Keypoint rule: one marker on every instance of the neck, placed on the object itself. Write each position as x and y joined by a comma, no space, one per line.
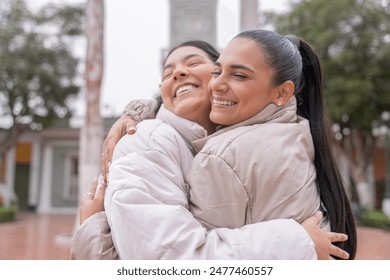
209,126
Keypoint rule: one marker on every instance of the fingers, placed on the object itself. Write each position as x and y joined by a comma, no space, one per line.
129,125
93,187
338,252
334,250
92,201
336,237
312,221
101,190
108,149
131,129
103,165
122,126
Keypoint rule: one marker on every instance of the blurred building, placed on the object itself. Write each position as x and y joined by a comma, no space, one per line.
42,169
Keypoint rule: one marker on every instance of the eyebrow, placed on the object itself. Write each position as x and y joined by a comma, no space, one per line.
236,66
187,57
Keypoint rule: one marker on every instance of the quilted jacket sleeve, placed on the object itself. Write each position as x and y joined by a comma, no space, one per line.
93,241
153,230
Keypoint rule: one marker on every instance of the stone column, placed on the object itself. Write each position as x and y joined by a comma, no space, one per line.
249,14
193,20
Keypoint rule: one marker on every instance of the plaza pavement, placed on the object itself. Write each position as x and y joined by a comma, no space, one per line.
46,237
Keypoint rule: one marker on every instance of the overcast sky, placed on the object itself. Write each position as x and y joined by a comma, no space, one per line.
132,53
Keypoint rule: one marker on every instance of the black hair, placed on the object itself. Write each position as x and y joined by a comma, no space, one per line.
212,53
294,59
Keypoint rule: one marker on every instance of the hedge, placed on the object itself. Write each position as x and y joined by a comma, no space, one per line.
7,214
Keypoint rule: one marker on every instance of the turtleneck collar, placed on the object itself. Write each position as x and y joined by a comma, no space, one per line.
189,130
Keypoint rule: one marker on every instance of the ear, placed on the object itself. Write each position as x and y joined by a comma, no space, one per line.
283,93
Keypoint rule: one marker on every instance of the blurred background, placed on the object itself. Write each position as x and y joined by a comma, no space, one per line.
68,68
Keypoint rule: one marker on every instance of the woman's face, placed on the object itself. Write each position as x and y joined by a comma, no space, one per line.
184,86
241,84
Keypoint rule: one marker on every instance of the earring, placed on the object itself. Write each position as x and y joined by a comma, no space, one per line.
279,103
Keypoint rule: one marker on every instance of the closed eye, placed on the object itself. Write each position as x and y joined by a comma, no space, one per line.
216,72
194,63
166,76
240,76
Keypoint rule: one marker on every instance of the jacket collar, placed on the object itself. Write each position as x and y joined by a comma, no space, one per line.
189,130
270,114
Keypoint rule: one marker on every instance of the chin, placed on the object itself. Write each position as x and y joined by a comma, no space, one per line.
217,119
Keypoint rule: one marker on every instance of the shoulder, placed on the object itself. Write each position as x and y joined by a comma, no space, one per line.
151,135
140,140
261,139
222,143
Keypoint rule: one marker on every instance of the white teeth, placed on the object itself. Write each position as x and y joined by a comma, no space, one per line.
184,88
223,102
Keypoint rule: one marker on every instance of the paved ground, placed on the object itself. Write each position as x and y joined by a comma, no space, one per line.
46,237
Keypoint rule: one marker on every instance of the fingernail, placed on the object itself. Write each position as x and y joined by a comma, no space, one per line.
131,129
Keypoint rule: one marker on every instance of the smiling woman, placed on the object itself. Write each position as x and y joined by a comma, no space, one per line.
241,90
267,93
184,86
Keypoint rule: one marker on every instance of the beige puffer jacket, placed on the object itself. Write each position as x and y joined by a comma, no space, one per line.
257,170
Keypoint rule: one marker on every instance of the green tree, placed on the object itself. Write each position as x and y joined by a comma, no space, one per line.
352,38
38,69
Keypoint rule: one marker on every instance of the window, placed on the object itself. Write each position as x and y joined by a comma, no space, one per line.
71,190
2,168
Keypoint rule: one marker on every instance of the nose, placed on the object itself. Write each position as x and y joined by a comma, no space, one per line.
179,72
218,84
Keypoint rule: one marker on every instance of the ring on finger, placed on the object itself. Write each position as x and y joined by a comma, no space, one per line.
89,193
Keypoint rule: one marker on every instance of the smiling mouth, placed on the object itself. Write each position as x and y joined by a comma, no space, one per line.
183,89
224,102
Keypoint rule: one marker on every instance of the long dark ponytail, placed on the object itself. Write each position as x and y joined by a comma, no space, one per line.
294,59
311,106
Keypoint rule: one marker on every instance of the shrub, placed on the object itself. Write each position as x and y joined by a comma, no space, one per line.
375,218
8,214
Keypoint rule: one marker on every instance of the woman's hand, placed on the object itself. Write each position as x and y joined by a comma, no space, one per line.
323,240
93,201
123,125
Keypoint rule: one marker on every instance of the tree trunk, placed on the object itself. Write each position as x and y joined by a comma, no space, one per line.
359,150
91,134
11,137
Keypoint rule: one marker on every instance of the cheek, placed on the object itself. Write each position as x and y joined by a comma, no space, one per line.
255,105
205,98
165,90
206,76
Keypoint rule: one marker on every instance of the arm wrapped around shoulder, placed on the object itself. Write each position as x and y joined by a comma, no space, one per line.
142,109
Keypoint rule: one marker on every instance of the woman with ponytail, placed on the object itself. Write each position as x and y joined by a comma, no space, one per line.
271,156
